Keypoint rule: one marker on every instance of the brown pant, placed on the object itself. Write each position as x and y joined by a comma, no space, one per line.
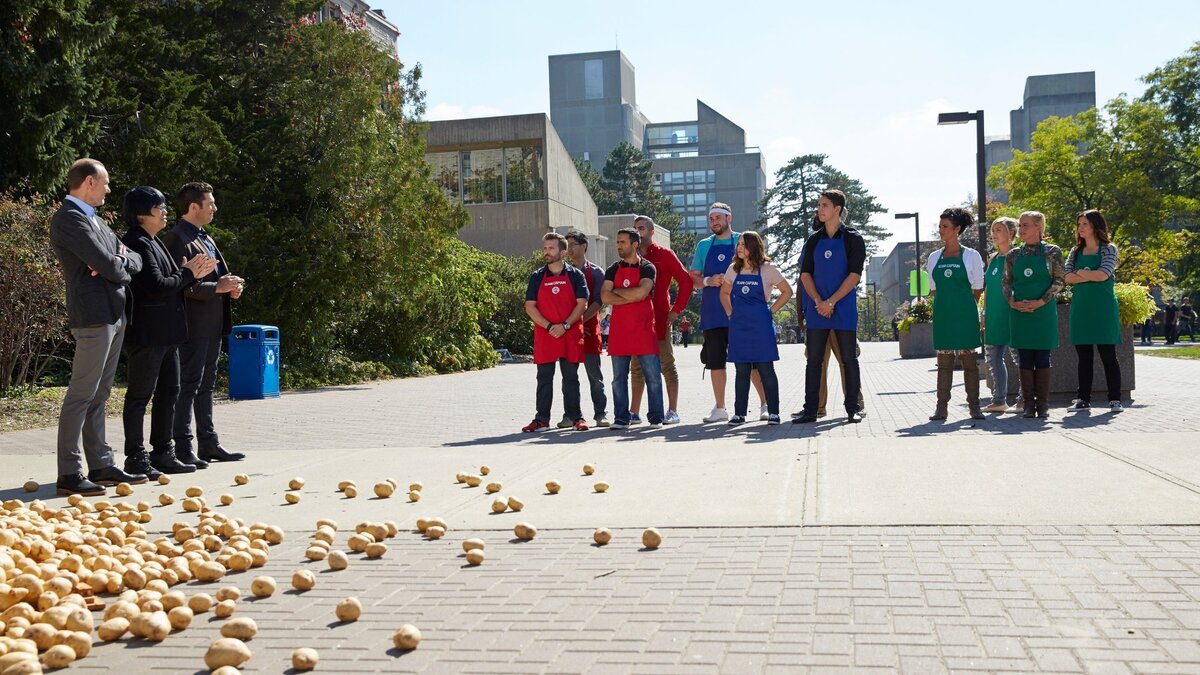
832,348
666,360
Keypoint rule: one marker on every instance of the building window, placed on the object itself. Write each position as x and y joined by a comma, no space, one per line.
482,172
525,174
593,79
444,168
678,134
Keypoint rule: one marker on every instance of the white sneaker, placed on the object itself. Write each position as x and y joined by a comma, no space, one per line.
1115,406
718,414
671,417
566,423
763,414
602,421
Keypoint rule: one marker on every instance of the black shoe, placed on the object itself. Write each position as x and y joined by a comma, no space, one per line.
854,417
111,475
219,454
76,484
166,462
186,456
136,462
805,418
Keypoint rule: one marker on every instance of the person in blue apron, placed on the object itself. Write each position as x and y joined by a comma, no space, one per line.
746,299
831,266
996,313
1094,319
1033,276
712,258
956,278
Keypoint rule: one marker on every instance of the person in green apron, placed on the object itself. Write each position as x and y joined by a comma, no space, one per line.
1033,276
996,312
1095,319
956,277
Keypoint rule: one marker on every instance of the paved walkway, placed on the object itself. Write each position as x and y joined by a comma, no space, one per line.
891,545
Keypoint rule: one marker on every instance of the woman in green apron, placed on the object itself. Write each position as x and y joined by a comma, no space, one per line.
1095,320
956,274
1033,276
996,312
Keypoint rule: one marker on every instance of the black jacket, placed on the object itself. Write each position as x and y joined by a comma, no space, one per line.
83,245
208,312
158,318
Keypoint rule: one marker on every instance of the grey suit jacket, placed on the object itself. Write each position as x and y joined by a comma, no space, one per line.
83,245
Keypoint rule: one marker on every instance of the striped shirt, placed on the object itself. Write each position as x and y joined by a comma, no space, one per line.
1108,259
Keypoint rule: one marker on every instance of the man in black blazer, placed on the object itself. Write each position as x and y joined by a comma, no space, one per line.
209,319
157,327
96,268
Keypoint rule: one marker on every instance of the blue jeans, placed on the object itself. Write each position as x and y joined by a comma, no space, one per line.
999,369
652,372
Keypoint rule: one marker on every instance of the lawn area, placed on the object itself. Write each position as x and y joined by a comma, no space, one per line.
38,407
1174,353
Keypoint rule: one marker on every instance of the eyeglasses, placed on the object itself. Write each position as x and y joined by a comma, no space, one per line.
162,208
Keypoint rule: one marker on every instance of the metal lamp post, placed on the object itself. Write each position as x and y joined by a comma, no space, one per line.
917,251
980,168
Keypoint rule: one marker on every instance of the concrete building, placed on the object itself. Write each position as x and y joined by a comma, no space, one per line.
894,273
358,15
608,226
516,179
594,104
1060,95
997,150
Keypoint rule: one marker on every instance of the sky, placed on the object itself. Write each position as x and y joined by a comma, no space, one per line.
861,81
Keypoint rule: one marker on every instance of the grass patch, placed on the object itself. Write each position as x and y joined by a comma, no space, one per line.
37,407
1174,353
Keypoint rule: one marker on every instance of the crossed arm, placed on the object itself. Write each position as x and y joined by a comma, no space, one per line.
624,296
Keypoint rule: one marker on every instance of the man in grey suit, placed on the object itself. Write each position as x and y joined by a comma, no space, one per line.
96,267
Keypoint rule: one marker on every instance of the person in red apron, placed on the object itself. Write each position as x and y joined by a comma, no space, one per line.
830,268
745,297
555,300
1033,276
577,247
1095,318
956,276
628,284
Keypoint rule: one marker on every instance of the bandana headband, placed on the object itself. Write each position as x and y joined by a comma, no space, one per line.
725,212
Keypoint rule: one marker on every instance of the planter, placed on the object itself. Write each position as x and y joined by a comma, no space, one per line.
1064,381
917,342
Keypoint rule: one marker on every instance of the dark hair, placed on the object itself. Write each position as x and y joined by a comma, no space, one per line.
1099,226
577,237
139,201
631,233
191,193
838,198
554,236
958,217
756,250
81,170
648,219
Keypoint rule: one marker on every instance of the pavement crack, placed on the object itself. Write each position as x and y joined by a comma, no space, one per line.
1141,466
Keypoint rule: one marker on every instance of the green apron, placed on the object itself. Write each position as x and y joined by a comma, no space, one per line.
1031,279
1095,319
996,325
955,314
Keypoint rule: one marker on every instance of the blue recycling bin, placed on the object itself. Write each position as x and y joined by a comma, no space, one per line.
254,362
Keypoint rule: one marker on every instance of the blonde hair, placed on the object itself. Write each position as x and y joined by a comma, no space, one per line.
1010,223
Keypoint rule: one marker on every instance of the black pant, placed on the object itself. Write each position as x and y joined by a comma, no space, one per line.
741,386
1033,359
1112,370
847,343
570,389
197,379
153,371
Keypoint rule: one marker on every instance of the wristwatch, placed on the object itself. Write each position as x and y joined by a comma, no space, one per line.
566,325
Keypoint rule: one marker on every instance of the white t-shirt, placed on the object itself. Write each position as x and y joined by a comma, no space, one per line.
971,261
770,276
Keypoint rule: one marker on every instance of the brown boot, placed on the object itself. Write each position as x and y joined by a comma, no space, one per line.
1041,383
1028,395
945,380
971,384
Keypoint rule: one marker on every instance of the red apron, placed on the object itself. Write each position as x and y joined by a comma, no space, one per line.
556,300
591,327
632,330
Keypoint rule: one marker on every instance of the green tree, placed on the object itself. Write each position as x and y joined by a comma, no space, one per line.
591,179
788,209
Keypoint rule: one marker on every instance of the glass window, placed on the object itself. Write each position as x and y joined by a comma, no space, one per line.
482,172
444,168
685,134
593,78
677,201
525,173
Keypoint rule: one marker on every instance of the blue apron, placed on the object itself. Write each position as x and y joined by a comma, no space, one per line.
751,327
717,261
830,269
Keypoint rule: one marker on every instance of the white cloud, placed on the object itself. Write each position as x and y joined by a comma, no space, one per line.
450,111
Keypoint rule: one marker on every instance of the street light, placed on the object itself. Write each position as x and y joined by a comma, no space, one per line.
873,306
980,168
917,252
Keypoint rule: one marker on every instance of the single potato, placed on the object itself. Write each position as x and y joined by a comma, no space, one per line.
602,535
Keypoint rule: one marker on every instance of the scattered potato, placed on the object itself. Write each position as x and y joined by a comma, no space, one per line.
384,489
58,656
113,629
305,658
460,477
200,603
315,553
228,593
602,535
303,580
422,524
414,496
263,587
473,480
241,479
651,538
124,489
226,499
32,486
406,637
291,497
553,487
327,522
471,544
416,487
242,628
351,492
166,499
80,642
342,485
225,608
435,532
485,470
474,556
515,503
164,479
525,531
226,670
348,609
338,560
588,469
180,617
376,550
499,506
226,652
296,483
600,487
493,487
194,491
157,626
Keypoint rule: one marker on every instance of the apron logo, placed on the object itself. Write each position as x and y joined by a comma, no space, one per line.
1028,272
721,257
828,255
1086,269
947,273
745,290
554,290
995,271
625,283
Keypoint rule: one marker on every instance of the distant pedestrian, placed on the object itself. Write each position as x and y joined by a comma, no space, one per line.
1170,316
605,323
685,332
746,298
1187,320
555,300
996,317
577,246
1148,330
956,274
1033,276
97,268
1094,317
628,285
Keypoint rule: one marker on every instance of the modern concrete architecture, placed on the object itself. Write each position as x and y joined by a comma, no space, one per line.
594,105
1060,95
358,15
516,179
997,150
